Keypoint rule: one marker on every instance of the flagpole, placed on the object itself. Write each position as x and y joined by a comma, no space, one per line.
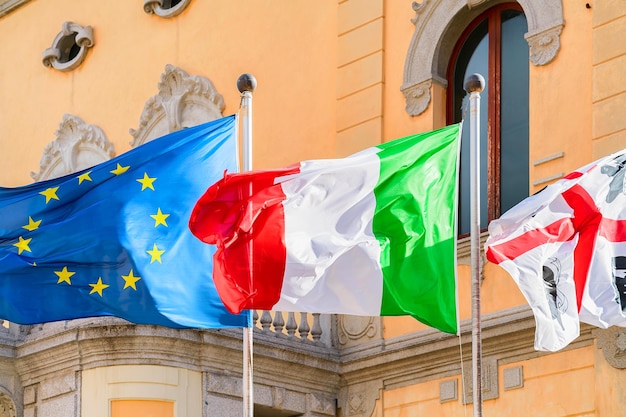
246,83
474,85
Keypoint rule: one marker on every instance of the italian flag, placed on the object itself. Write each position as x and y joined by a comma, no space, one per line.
372,234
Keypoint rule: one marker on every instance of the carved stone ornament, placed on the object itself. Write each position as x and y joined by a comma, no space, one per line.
165,8
320,404
77,146
545,45
360,399
7,406
183,101
69,47
438,26
489,380
612,341
353,328
417,97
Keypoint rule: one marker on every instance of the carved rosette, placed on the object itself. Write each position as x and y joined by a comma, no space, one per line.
417,97
77,146
183,100
72,34
544,45
612,341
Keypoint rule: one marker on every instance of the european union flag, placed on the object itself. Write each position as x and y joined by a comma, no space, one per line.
113,240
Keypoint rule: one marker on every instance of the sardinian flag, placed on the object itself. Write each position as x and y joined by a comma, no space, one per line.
565,247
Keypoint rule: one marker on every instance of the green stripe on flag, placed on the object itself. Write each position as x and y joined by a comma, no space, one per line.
415,224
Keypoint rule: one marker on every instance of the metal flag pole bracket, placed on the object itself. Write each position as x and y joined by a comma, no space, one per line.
474,85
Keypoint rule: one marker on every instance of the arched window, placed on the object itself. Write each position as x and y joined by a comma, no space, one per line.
493,45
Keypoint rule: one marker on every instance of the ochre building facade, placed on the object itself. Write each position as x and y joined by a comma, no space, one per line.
85,80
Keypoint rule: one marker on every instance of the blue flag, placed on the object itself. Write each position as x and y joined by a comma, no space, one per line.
113,240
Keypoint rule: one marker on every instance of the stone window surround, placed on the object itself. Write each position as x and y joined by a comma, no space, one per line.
438,25
156,7
83,37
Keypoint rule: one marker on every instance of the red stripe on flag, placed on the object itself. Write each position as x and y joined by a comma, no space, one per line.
561,230
587,218
613,230
243,215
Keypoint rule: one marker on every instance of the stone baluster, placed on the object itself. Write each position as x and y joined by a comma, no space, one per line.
266,320
316,330
291,325
279,323
304,328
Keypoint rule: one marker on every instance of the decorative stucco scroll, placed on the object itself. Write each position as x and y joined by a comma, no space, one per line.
438,26
165,8
183,101
77,146
69,47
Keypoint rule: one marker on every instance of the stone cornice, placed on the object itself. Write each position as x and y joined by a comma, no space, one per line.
7,6
431,354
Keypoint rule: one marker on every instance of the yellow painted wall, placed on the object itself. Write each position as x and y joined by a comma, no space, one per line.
560,100
609,83
141,408
290,48
554,385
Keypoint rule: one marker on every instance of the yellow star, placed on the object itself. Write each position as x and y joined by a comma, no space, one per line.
50,193
120,169
159,218
98,287
146,182
84,177
22,245
130,280
64,275
32,225
155,253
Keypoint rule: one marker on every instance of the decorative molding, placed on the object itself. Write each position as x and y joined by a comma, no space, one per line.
320,404
551,178
360,399
448,390
474,3
183,100
513,378
419,9
7,6
548,158
438,26
7,406
612,341
544,45
489,381
161,8
60,55
352,328
77,146
417,97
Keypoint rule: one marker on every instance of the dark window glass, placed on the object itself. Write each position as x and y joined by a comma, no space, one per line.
493,46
